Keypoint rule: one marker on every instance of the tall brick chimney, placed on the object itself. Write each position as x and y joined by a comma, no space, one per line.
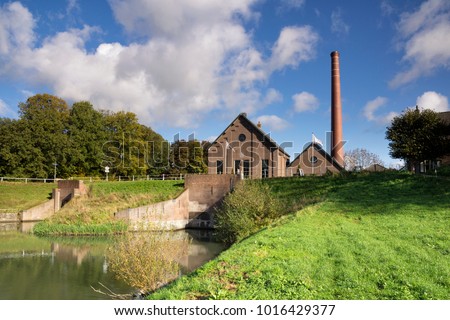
337,142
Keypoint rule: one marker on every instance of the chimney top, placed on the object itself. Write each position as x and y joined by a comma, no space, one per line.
334,53
259,125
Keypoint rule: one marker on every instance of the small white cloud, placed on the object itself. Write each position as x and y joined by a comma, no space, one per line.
27,93
211,138
5,111
272,96
294,45
273,122
288,5
386,8
305,101
434,101
372,106
338,25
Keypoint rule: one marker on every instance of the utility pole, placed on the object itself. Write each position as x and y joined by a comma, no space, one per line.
54,174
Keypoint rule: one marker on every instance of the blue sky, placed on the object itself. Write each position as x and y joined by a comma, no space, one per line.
192,66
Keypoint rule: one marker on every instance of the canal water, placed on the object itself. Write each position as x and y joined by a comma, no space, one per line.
72,267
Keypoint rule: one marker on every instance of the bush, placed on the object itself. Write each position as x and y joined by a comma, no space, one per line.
250,207
147,261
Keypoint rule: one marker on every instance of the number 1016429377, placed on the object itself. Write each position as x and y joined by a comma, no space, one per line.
295,310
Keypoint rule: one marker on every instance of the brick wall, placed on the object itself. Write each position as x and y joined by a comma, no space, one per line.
209,189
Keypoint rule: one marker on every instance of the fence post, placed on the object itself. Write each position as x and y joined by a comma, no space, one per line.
163,176
26,180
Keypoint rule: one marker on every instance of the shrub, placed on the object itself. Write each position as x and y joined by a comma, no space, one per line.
250,207
148,260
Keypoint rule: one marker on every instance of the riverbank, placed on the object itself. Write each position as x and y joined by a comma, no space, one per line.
93,214
368,236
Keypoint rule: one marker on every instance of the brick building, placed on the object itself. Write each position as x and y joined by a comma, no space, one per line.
244,149
313,160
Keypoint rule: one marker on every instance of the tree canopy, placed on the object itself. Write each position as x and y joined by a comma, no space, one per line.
81,141
418,135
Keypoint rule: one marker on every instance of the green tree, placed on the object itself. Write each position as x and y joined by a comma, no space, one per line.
44,123
187,157
18,157
130,147
417,135
87,135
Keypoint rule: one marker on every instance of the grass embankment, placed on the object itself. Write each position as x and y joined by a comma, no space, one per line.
378,236
94,213
16,196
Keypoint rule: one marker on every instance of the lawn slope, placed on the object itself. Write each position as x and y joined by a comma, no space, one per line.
94,213
377,236
16,196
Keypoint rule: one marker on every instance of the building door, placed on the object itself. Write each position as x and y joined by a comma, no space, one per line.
219,166
265,168
246,168
237,166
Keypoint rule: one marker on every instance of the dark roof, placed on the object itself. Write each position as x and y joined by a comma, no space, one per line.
320,150
445,116
266,137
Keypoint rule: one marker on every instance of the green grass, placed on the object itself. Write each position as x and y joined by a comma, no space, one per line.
94,213
368,236
16,196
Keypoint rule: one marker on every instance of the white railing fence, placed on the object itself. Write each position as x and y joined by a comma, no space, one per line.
98,179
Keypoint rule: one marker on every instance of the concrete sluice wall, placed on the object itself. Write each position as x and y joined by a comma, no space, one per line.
192,209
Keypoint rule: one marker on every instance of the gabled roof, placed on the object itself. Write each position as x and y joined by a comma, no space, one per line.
317,147
266,137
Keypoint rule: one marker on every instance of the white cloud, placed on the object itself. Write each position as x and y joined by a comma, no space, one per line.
386,8
372,106
338,25
16,27
434,101
289,5
294,45
424,40
305,101
272,96
273,122
5,111
197,57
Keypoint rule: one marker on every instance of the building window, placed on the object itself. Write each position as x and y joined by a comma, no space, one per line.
242,137
265,168
313,159
246,168
219,166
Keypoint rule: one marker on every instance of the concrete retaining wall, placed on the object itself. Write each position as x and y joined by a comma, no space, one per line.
192,209
9,217
167,215
40,212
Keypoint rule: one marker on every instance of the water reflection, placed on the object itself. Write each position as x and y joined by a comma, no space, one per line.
66,268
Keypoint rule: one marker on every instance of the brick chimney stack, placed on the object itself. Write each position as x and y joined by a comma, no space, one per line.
337,142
